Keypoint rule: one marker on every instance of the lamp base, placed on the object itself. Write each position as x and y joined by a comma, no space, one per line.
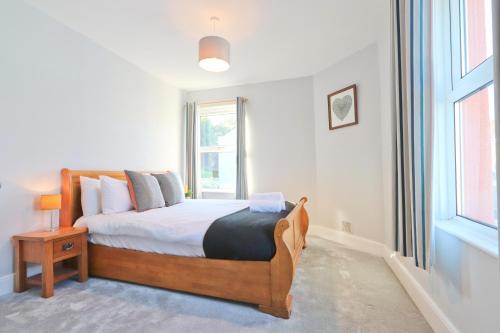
54,224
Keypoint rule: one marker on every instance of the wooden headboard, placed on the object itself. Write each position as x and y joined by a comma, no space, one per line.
71,206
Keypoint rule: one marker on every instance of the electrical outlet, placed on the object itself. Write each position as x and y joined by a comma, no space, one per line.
346,226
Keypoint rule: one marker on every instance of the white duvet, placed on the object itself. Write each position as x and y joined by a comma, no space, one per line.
179,226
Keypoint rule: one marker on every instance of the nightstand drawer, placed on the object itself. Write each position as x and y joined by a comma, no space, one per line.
67,247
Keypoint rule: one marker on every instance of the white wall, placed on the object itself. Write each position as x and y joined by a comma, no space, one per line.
387,123
348,160
280,134
464,282
66,102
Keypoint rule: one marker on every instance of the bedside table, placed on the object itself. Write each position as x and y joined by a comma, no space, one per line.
47,248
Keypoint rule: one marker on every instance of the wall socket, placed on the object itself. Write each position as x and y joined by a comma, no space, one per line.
346,226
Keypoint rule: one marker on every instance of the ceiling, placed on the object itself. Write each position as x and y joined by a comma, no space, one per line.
270,39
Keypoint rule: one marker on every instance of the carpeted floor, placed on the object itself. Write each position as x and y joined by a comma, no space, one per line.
335,290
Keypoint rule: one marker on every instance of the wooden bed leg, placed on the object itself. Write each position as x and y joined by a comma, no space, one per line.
282,268
281,311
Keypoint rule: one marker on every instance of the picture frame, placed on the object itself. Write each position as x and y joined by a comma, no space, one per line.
343,107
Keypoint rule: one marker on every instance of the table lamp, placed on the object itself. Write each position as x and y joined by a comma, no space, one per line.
51,202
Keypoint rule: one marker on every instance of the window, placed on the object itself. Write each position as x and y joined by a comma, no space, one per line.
476,33
470,100
217,150
475,157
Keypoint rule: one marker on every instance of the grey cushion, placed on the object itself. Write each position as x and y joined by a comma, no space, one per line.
144,191
171,187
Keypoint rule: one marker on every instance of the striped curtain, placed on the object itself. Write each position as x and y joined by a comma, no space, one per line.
241,170
411,45
191,146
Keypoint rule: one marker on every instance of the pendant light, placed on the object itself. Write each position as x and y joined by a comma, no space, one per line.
213,51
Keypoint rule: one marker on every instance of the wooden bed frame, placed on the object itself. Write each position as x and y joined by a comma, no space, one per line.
265,283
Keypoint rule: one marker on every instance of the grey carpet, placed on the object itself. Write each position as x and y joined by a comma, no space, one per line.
335,290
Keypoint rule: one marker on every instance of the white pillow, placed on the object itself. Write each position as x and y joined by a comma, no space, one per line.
115,197
91,196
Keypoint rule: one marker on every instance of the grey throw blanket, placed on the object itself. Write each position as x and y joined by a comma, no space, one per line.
243,235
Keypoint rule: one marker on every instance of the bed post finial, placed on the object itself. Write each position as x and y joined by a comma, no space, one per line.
304,220
66,212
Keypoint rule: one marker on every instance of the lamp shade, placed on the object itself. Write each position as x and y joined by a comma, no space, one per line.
50,202
213,54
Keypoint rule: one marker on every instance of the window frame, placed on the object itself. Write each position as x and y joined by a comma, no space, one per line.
206,109
458,87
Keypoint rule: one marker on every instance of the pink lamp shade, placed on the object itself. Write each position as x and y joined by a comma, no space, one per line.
213,54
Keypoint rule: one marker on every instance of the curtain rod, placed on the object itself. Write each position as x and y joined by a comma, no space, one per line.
223,101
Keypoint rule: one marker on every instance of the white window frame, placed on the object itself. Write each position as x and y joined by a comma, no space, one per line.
465,85
452,87
206,109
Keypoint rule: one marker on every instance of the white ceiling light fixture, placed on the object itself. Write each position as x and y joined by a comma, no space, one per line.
213,51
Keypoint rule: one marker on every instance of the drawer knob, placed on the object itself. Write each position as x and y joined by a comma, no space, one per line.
67,246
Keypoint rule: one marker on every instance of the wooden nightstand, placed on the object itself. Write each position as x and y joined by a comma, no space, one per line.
47,248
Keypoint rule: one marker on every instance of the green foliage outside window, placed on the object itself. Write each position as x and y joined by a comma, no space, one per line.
210,132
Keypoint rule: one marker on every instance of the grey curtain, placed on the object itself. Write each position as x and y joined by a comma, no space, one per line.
413,121
241,170
496,78
191,147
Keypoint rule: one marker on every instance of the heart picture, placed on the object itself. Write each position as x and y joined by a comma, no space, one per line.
342,108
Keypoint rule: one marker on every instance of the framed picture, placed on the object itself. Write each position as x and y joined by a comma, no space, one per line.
343,108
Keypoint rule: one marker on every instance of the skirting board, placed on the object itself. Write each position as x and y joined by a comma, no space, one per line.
6,284
349,240
436,318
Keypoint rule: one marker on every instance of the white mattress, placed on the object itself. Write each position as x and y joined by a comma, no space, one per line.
175,230
147,245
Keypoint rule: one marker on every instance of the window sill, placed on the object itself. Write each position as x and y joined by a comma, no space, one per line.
217,194
217,190
474,234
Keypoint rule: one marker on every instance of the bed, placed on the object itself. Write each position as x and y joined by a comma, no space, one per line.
265,283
